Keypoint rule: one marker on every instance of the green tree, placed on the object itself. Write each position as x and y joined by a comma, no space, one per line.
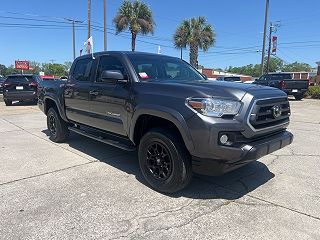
296,67
35,67
276,64
3,69
195,33
135,16
54,69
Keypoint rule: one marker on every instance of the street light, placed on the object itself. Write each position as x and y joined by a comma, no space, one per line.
73,21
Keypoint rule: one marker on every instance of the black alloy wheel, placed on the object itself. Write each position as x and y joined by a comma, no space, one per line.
159,161
57,127
164,160
52,125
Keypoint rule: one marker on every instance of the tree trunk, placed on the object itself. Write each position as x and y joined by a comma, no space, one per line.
194,55
133,41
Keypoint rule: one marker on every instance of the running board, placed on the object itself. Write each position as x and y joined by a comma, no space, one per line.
113,143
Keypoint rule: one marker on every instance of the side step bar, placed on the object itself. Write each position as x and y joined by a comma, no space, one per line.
113,143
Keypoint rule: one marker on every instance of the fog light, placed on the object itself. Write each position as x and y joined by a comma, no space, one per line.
224,139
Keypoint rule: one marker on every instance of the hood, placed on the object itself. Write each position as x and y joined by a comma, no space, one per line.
219,89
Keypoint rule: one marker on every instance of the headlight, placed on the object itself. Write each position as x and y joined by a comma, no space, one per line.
214,107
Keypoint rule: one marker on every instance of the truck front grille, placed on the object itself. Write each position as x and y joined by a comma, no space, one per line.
268,113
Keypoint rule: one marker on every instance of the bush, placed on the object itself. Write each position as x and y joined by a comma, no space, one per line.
313,92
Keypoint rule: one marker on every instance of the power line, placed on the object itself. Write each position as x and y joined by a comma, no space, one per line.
127,34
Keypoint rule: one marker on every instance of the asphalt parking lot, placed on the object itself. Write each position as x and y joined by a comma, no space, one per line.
84,189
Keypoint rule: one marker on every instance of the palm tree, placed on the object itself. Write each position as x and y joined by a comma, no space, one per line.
195,33
135,16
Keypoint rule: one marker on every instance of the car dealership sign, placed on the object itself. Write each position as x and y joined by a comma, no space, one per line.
24,65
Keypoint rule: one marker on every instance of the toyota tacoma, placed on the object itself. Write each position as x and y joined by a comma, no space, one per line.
179,122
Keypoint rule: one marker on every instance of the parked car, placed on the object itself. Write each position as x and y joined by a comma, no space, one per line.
284,81
2,79
178,121
230,79
20,87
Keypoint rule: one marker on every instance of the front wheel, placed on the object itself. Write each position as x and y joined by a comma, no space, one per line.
8,103
57,127
164,161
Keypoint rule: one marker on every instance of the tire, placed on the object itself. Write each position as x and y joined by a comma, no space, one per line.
57,127
169,181
8,103
298,97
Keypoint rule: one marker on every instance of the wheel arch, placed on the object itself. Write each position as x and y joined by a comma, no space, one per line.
163,115
52,102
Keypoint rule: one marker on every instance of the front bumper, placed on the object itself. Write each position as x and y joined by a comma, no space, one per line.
242,155
20,96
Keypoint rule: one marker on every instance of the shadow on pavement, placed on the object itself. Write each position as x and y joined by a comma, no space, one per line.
230,186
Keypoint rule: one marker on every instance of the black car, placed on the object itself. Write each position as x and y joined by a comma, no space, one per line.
20,87
2,79
284,82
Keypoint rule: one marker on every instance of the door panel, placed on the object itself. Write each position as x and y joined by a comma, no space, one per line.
76,93
109,107
109,100
76,97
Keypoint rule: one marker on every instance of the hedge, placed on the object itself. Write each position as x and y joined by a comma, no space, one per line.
313,92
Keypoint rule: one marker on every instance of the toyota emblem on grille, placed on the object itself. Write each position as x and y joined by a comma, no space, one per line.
276,111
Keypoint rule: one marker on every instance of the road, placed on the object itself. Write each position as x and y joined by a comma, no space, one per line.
84,189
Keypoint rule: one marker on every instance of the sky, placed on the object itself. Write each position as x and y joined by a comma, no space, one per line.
36,30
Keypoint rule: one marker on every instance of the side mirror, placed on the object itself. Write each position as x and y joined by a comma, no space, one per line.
112,76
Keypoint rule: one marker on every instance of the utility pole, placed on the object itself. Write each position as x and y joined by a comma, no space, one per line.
269,47
264,36
105,24
273,28
89,18
52,61
73,21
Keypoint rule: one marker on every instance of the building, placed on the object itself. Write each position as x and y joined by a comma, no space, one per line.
302,75
213,74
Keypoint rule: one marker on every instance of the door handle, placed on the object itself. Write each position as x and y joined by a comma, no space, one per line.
94,93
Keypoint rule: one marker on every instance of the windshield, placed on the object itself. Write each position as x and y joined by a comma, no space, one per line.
279,76
161,68
19,79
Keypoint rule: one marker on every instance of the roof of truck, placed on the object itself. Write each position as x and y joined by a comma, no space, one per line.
96,54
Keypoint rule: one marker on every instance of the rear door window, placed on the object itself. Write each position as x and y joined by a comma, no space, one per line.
82,70
279,77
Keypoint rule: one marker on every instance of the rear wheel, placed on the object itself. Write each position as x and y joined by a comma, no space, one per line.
298,96
164,161
8,102
57,127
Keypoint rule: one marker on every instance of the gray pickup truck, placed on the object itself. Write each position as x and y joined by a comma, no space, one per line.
179,122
